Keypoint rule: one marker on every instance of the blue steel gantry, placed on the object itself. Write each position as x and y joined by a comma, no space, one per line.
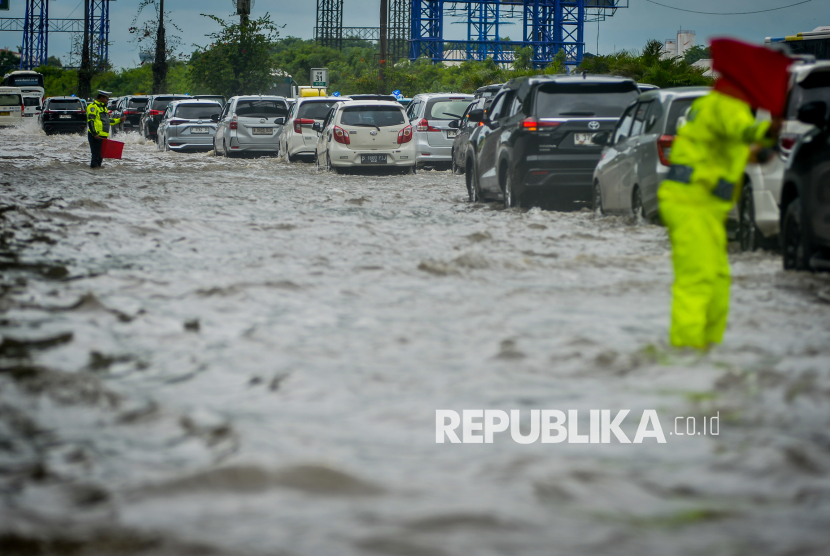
548,26
36,27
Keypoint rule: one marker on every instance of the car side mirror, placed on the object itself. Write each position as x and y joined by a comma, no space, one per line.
603,139
814,113
318,127
279,121
476,115
214,118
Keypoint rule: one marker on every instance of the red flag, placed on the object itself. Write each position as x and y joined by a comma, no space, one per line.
759,73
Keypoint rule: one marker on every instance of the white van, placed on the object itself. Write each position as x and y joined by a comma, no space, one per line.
11,106
32,102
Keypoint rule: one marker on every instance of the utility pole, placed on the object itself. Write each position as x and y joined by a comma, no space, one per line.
160,63
85,73
243,9
384,34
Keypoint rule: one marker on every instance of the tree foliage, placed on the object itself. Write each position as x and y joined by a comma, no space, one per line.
239,60
697,53
647,67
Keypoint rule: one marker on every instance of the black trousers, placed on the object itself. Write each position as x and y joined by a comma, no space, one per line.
95,145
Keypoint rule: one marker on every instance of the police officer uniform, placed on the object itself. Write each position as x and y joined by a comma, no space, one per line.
98,124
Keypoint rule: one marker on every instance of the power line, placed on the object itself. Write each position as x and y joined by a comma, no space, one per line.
729,13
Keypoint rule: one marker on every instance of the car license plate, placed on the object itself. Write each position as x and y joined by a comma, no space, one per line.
64,116
262,130
373,159
584,139
5,113
199,130
452,133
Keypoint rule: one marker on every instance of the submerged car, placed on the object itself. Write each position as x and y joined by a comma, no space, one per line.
636,156
430,115
129,110
805,197
152,113
250,124
11,106
362,134
187,125
63,115
537,140
465,128
298,139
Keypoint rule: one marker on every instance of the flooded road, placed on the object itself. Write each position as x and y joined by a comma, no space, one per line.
245,357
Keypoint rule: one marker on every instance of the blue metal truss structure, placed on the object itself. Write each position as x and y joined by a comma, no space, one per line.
35,34
548,26
37,26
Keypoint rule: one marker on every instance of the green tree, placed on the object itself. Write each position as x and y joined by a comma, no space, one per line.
239,60
697,53
54,61
8,62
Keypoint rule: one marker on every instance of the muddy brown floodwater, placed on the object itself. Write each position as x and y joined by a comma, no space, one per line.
245,357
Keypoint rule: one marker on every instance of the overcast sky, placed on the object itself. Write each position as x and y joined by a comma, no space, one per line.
628,29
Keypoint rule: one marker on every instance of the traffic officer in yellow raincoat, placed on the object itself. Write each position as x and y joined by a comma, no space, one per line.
709,156
98,124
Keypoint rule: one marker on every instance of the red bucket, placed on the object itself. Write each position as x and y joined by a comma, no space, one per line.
112,149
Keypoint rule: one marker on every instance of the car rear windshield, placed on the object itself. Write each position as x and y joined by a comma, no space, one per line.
68,104
315,110
197,111
815,87
161,103
137,103
447,109
31,101
10,100
374,116
584,100
678,109
261,108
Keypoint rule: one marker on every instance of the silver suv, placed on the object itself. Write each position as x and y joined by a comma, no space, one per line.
250,124
636,158
187,125
430,116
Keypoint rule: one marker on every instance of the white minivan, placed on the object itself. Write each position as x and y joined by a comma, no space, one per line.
11,106
369,133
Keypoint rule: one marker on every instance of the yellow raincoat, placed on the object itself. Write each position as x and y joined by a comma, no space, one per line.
708,159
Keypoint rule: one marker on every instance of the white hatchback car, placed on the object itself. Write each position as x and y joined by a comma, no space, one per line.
11,106
368,133
298,140
250,124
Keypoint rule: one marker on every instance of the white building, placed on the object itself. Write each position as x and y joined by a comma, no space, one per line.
685,41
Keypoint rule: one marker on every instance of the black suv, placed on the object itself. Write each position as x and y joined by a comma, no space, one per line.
805,197
63,115
130,109
537,139
153,112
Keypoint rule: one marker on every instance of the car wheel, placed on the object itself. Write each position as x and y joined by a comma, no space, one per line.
596,203
794,244
472,188
747,230
510,199
329,167
636,205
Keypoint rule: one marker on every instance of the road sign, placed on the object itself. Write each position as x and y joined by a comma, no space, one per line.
4,5
320,77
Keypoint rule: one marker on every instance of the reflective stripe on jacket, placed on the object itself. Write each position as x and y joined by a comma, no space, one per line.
715,142
98,119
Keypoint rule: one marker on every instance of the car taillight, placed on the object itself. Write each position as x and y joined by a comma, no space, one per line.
130,112
233,124
178,122
405,135
156,112
22,108
664,144
299,122
532,124
423,125
787,142
341,136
